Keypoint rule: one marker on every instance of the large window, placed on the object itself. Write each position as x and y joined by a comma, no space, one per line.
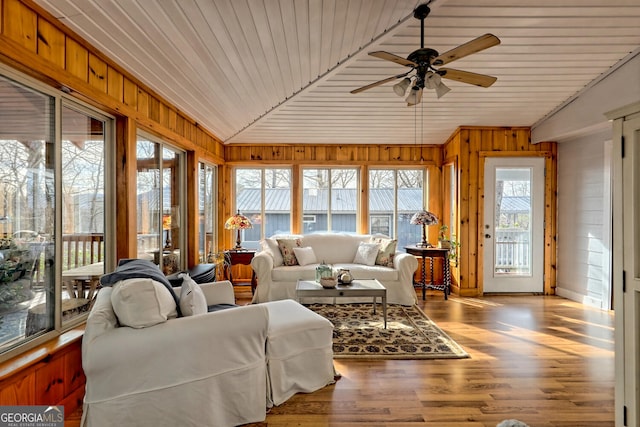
52,209
394,196
330,200
160,203
264,196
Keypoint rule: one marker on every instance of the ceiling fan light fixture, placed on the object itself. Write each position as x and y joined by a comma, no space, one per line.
415,96
400,88
434,81
441,90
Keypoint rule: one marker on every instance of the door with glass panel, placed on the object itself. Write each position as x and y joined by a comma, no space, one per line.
513,229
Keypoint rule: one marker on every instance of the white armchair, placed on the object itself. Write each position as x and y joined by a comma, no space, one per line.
211,369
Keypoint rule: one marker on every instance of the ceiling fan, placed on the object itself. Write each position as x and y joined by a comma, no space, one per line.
424,60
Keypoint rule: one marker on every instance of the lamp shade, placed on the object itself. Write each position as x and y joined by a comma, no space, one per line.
424,218
238,222
401,88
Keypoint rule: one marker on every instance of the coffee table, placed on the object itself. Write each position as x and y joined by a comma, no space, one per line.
357,288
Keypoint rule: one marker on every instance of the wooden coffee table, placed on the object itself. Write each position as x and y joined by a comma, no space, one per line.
357,288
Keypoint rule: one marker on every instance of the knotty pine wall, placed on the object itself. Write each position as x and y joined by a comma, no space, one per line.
468,147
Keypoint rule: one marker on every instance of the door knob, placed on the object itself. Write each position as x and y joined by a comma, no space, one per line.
487,236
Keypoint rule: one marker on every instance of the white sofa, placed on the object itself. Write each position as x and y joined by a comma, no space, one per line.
277,281
222,368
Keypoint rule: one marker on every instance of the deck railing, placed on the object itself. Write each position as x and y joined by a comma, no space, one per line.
82,249
512,251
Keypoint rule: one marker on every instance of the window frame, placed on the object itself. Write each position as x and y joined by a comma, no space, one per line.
394,220
61,99
330,213
182,197
263,188
208,257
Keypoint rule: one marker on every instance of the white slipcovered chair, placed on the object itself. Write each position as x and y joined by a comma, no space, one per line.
221,368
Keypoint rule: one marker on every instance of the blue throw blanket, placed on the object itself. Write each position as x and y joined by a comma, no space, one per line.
139,269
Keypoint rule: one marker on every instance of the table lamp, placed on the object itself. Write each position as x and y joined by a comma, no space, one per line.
238,222
424,218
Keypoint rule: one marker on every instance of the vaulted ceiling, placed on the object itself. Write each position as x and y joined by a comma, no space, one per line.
281,71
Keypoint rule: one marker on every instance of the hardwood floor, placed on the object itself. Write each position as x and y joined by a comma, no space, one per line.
546,361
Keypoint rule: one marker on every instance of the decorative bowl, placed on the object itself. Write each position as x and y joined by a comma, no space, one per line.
329,282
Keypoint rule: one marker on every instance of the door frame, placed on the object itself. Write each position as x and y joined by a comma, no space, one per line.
549,239
535,281
626,271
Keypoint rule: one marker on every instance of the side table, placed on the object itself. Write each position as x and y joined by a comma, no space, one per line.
431,253
243,257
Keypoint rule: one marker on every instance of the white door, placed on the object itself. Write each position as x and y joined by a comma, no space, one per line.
513,224
627,269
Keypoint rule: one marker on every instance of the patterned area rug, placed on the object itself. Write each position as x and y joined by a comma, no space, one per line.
410,334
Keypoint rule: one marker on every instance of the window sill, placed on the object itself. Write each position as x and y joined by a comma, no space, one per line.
37,354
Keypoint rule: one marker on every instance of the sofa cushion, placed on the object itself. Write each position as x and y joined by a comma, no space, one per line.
358,271
286,249
386,251
361,271
305,256
332,248
192,299
142,302
270,246
293,273
366,254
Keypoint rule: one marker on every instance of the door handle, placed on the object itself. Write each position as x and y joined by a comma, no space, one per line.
487,236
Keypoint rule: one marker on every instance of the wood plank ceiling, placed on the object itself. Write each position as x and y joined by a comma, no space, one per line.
280,71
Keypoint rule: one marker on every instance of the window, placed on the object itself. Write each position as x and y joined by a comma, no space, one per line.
394,196
207,177
331,195
381,224
264,196
160,203
53,193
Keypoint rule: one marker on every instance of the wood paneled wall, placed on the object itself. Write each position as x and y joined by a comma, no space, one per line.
470,146
47,375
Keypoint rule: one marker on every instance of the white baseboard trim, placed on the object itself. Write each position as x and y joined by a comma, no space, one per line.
578,297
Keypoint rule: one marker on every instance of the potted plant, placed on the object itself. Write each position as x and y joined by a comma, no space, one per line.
443,238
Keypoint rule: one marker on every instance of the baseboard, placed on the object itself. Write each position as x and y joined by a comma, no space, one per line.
578,297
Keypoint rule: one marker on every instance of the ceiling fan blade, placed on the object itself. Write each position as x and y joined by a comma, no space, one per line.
378,83
393,58
476,45
467,77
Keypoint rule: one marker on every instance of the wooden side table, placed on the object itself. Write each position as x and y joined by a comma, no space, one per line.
431,253
236,257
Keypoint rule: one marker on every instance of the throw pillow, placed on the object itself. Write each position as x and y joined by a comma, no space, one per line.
192,299
270,246
142,302
305,256
286,249
366,253
387,250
